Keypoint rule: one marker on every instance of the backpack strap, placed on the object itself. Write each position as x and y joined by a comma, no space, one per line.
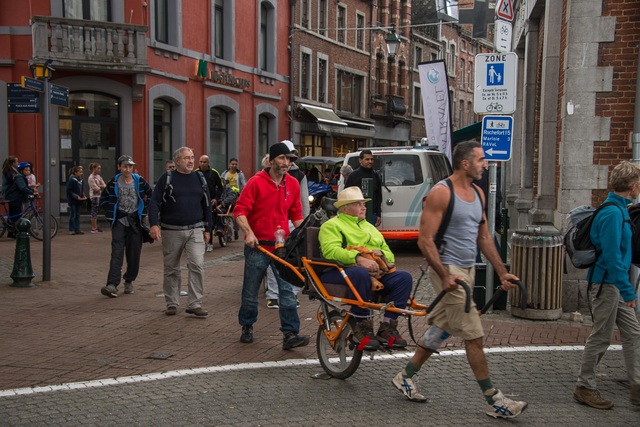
168,189
446,218
205,187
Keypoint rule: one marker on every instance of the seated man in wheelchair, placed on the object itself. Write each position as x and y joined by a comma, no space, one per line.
227,200
350,229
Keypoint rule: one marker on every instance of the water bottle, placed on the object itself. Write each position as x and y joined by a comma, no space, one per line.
279,235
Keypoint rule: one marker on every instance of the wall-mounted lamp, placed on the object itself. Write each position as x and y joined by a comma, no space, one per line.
393,41
42,71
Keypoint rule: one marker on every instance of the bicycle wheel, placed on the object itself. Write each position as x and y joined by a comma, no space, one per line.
343,358
37,225
222,238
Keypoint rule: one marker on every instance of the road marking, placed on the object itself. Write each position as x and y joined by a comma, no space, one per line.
265,365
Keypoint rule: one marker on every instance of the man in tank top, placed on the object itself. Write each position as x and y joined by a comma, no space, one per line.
455,259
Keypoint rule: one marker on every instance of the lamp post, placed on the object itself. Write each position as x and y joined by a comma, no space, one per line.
393,41
44,72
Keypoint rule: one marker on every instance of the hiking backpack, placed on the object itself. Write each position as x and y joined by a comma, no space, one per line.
634,215
577,240
168,187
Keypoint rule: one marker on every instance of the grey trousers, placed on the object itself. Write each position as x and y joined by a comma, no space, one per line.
174,243
609,311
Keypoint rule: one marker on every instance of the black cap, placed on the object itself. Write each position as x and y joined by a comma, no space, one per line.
279,149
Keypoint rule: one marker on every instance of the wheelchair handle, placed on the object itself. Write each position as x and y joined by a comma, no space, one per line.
467,291
500,291
467,302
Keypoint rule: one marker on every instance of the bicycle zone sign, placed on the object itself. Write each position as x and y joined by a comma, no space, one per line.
495,83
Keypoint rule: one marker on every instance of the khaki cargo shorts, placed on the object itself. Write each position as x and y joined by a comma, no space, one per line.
449,314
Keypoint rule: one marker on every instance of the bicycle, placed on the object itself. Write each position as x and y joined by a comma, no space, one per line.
224,230
7,222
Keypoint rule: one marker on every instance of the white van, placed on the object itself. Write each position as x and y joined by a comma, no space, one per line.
407,173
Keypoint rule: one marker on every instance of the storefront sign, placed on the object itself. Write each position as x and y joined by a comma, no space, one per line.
202,71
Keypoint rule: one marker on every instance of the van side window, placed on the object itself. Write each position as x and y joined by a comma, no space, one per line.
439,168
401,170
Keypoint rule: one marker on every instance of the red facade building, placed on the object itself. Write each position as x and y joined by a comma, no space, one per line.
145,78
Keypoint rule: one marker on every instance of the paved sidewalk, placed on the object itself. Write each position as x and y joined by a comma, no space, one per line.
65,330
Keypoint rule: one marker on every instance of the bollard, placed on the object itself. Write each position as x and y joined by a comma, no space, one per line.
22,272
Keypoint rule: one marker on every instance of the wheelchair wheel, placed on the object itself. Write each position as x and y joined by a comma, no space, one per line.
341,360
222,238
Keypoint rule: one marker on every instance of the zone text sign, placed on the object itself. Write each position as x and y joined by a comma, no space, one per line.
495,83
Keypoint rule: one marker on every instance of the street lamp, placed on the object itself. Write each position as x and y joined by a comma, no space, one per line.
42,71
393,41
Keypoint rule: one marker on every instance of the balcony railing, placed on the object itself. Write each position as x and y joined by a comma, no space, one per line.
80,44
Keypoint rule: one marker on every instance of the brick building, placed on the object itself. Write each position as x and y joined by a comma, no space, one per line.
578,69
145,78
347,90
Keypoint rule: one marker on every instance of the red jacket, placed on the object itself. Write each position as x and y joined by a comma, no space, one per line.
266,205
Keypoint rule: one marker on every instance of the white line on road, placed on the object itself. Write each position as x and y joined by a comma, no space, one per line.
263,365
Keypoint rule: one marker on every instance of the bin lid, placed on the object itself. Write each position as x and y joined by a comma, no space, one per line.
537,236
539,230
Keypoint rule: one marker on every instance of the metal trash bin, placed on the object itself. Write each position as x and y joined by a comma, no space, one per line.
537,257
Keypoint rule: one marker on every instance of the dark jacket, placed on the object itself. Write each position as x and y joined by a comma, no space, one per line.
74,190
17,188
109,196
213,182
355,179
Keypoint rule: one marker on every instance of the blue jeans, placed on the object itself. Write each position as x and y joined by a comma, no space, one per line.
397,287
74,217
255,266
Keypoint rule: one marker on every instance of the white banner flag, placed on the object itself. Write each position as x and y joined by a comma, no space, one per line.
435,100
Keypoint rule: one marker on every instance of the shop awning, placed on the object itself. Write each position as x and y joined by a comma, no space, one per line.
468,132
323,115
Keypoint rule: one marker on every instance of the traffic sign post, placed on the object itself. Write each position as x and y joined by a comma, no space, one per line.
502,36
496,137
20,100
495,80
59,95
504,9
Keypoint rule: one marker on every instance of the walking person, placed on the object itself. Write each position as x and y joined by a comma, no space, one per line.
365,171
215,188
612,297
268,201
96,185
456,260
235,178
271,284
75,197
124,199
181,200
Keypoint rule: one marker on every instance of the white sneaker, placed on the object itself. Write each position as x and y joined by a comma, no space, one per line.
408,388
503,407
209,247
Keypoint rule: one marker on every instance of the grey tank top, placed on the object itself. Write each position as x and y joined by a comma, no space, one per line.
461,236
